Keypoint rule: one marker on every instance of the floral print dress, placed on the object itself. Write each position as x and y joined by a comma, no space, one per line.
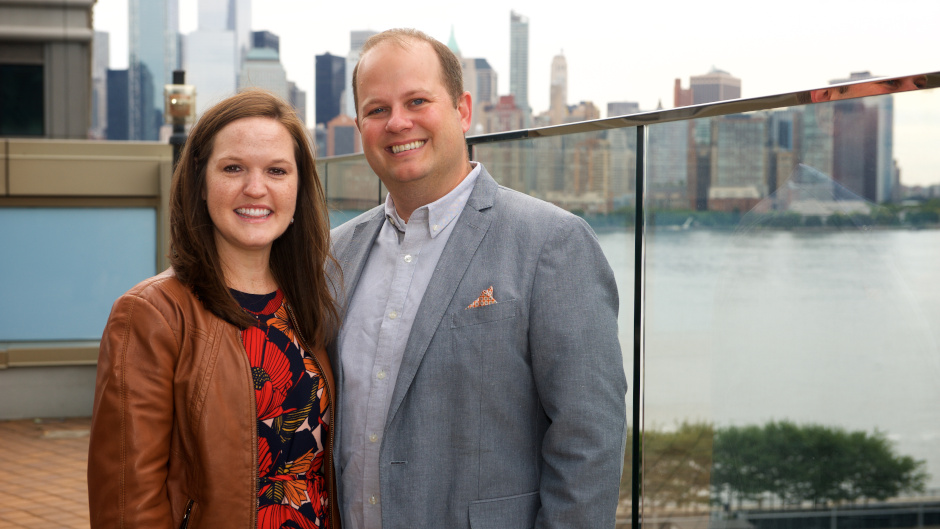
293,417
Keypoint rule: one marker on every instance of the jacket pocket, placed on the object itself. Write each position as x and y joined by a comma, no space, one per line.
508,512
502,310
187,514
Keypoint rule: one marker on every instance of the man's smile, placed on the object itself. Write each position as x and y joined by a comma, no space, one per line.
407,146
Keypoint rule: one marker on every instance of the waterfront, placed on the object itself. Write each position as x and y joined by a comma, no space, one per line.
838,328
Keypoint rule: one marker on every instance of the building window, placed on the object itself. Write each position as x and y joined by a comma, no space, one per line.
21,100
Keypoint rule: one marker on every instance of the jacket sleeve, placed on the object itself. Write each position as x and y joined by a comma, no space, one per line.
132,418
578,369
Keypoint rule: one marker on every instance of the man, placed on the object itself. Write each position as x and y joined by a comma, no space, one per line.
481,379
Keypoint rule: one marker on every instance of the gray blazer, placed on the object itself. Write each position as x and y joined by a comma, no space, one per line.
510,415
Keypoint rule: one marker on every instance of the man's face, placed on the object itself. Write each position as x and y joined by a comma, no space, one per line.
412,134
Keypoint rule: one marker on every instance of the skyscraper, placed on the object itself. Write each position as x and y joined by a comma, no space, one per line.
558,96
153,55
215,51
99,85
228,15
357,40
330,82
262,69
265,39
716,85
519,60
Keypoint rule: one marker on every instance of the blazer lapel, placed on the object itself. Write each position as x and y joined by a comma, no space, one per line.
352,256
471,227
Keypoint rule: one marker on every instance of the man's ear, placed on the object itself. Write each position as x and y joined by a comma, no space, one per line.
465,109
818,96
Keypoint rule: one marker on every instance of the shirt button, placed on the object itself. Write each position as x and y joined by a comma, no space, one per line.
392,315
372,499
436,227
373,437
380,375
407,258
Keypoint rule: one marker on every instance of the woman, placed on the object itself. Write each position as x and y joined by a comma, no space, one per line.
214,397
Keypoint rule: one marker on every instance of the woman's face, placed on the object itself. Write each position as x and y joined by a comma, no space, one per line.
251,187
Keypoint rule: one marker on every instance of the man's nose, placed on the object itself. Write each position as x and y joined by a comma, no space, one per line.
398,121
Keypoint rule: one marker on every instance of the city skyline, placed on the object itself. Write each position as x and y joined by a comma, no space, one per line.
802,47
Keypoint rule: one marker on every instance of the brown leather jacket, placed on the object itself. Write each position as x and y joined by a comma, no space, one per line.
174,435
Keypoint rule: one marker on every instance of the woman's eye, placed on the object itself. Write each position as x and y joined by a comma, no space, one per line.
231,168
278,171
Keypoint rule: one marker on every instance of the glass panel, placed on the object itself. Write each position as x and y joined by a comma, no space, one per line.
792,331
64,267
593,175
21,100
351,188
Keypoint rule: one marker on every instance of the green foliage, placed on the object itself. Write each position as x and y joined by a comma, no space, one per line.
814,463
696,463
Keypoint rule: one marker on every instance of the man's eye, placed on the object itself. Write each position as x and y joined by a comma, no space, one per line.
418,101
374,111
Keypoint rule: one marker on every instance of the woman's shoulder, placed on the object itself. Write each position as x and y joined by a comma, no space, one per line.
163,291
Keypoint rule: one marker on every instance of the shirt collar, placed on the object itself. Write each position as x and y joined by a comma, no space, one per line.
442,211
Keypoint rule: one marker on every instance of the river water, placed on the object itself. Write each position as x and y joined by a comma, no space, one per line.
840,328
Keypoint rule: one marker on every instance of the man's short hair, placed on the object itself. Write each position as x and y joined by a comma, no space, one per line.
451,72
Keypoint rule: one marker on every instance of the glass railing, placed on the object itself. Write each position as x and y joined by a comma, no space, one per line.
785,293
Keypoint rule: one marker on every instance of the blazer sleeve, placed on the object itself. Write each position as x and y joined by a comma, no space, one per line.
578,369
132,418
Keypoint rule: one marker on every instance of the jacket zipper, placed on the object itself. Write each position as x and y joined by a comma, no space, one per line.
189,509
329,396
253,515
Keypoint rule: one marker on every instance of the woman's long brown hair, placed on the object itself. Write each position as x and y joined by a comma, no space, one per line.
298,257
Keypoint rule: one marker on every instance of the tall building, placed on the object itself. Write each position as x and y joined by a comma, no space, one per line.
357,40
716,85
865,126
622,108
558,95
298,100
519,61
99,86
265,39
681,97
228,15
153,40
45,68
330,83
214,53
118,106
262,69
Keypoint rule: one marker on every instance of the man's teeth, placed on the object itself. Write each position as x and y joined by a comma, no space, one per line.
253,212
407,147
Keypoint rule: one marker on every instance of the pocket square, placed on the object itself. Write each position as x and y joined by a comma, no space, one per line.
486,298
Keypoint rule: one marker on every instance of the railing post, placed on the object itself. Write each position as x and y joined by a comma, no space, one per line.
638,321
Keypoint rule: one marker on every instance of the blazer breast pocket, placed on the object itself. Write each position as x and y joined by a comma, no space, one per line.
502,310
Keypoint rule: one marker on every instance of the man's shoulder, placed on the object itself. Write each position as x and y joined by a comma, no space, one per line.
344,231
530,212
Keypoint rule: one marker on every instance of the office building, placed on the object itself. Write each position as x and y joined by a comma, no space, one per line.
228,15
357,40
153,43
519,61
262,69
118,125
716,85
297,99
330,82
342,136
45,68
266,39
558,92
215,52
99,86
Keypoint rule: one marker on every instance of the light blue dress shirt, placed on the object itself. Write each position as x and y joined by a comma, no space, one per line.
374,334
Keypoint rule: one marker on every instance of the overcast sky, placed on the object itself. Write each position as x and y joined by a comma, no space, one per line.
619,50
